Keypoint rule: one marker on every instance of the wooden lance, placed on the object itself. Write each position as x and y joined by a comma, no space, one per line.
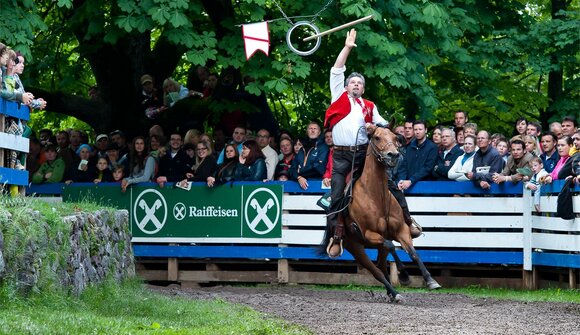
346,25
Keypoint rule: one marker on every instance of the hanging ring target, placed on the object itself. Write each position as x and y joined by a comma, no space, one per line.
289,36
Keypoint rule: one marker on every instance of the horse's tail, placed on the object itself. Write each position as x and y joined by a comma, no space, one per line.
321,249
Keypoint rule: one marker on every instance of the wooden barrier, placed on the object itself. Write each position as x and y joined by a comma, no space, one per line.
10,177
471,237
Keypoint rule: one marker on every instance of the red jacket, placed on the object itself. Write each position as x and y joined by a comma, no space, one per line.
341,107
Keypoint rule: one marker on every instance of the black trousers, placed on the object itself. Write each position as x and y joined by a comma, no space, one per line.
400,196
341,166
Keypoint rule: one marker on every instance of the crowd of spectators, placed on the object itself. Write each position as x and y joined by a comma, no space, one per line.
476,156
462,152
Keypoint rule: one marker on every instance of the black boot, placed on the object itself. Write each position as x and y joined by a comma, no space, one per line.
415,228
334,248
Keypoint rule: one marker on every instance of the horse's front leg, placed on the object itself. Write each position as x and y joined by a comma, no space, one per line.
358,252
403,274
407,244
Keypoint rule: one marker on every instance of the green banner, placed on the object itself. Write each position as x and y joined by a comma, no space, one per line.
224,213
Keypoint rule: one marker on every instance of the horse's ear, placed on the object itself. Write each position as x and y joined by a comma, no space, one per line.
370,128
391,123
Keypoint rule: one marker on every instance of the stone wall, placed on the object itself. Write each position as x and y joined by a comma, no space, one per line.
46,252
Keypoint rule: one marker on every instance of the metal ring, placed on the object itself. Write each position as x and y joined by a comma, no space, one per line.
296,51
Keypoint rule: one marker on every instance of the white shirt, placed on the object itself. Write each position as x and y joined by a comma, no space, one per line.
344,133
272,160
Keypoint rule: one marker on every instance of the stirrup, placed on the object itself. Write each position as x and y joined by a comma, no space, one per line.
417,226
331,244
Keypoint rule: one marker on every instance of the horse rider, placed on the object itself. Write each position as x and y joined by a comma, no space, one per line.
347,116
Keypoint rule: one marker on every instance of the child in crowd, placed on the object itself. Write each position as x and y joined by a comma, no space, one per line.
52,170
536,181
532,145
103,174
503,149
118,173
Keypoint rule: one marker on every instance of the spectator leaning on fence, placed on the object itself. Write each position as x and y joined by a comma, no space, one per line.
52,170
8,84
464,163
238,137
486,162
574,153
550,155
173,165
287,152
226,170
310,161
575,160
503,149
204,164
141,164
38,103
564,145
419,159
449,153
535,183
271,155
252,164
532,145
518,160
84,167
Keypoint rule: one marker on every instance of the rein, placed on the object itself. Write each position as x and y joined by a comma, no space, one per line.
378,152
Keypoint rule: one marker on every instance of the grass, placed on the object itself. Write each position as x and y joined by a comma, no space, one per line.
548,295
131,309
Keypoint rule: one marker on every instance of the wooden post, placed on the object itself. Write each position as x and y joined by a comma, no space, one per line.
572,280
172,269
283,271
528,279
394,274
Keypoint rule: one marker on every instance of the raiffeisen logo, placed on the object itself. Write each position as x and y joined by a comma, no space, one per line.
212,211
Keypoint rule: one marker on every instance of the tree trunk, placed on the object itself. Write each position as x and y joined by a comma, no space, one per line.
117,69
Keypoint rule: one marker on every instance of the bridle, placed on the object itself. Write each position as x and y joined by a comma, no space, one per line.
384,158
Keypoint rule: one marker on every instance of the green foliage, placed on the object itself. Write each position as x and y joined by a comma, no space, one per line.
421,58
55,122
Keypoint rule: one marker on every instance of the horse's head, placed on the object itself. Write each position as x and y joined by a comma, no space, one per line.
384,144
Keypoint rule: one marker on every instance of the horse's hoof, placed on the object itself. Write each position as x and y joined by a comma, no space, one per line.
397,299
404,280
433,285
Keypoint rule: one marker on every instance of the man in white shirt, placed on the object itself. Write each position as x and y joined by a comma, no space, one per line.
272,159
347,117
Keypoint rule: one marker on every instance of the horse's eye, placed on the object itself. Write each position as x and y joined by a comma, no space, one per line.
377,138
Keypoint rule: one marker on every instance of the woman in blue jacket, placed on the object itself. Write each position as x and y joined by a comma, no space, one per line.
252,164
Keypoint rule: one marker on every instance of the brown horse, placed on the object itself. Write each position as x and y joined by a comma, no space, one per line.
374,215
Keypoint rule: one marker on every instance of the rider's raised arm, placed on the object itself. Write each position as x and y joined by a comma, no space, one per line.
337,71
349,43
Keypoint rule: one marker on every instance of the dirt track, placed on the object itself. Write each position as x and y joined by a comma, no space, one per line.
359,312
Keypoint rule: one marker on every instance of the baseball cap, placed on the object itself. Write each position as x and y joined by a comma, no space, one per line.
188,146
146,79
112,146
49,147
101,136
117,132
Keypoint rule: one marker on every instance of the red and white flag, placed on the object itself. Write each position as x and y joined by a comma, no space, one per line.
256,37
